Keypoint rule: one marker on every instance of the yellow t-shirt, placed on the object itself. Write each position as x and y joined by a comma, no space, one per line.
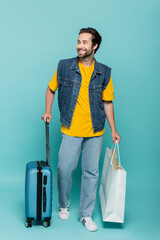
81,125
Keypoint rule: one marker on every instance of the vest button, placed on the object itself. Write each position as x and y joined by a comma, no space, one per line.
90,90
93,115
91,102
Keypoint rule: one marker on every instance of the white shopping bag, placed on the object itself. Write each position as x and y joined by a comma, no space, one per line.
113,187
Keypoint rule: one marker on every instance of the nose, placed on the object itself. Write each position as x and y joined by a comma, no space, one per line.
79,45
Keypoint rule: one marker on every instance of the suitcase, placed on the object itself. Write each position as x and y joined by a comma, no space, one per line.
38,189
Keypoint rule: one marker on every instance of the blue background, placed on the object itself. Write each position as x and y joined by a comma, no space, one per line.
34,36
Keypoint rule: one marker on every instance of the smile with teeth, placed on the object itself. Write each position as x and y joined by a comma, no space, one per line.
82,51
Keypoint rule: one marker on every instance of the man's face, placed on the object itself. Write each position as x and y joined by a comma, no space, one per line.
84,45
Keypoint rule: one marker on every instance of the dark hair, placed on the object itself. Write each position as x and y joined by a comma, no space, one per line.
96,38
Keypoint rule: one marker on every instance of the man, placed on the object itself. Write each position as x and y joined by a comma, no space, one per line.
85,94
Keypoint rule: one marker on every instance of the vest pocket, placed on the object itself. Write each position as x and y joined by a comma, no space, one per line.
100,106
99,94
65,85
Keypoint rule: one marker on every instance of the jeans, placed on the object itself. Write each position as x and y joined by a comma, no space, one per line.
69,153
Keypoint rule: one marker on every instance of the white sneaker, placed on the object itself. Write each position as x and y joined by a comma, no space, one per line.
88,223
64,213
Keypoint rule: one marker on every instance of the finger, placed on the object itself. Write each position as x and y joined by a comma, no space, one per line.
50,117
118,139
43,118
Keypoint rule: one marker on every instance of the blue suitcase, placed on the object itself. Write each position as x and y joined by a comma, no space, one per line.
38,190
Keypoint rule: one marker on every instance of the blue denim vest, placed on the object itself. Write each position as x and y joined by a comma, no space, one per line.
69,84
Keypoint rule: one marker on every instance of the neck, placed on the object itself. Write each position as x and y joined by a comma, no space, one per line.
87,61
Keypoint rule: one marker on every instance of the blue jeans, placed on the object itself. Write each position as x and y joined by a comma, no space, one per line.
69,153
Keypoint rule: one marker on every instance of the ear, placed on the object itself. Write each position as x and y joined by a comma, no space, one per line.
95,46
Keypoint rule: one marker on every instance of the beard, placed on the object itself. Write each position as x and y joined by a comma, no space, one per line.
85,53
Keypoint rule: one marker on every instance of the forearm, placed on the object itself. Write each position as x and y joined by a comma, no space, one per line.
49,100
108,107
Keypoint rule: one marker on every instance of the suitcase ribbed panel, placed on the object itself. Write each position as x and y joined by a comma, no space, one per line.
46,198
31,190
39,192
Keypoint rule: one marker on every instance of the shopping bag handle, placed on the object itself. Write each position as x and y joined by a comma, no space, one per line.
116,146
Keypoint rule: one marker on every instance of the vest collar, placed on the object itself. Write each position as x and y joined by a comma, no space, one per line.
75,66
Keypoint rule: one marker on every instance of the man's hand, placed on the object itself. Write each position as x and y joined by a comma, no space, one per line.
115,136
45,116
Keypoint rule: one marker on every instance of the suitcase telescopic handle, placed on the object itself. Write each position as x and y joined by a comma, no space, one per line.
47,143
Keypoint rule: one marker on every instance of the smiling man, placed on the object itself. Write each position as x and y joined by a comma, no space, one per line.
85,94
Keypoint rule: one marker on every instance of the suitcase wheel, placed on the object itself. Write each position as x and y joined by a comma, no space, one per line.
46,223
28,224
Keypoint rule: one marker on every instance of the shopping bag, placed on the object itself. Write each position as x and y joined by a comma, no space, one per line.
113,187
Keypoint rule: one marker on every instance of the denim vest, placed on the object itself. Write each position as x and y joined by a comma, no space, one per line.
69,84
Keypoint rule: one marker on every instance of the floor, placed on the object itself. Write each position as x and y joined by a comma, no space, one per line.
141,217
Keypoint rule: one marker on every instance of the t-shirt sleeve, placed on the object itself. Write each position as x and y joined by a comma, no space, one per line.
108,92
53,84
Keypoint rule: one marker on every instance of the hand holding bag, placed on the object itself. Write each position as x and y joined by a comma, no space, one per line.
113,187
